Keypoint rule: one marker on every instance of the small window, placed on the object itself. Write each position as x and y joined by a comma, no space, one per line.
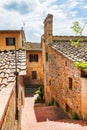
33,58
36,58
34,75
46,56
30,58
10,41
65,63
70,83
50,82
84,74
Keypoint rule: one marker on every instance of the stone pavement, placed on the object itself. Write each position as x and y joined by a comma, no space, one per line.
47,118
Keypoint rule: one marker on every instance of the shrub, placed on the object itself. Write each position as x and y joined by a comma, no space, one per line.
38,97
51,103
75,116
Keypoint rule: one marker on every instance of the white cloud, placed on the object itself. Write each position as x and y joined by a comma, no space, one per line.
85,7
73,3
64,14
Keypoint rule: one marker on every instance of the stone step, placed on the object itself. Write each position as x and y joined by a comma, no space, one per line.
51,125
30,90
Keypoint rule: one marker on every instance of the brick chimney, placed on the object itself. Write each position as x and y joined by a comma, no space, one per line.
48,28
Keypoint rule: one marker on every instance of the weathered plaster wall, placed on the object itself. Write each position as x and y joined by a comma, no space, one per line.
34,66
84,97
10,34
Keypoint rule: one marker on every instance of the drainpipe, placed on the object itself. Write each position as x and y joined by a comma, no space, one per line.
16,87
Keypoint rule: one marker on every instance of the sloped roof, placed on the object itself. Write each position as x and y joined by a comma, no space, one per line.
10,30
7,66
69,50
32,46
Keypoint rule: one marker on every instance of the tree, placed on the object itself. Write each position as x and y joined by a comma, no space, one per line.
79,30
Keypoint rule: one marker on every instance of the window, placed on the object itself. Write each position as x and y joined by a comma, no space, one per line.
34,75
84,74
50,82
10,41
65,63
70,83
33,58
46,56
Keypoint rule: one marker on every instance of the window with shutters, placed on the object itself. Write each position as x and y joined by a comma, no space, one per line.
33,58
34,75
10,41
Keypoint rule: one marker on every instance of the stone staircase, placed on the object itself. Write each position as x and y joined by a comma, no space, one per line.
41,117
30,90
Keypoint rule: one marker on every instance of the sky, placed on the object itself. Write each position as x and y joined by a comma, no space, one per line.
30,15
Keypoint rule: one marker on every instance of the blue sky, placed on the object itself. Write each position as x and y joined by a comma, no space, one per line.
31,13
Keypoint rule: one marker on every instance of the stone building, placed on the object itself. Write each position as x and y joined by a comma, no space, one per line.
12,70
64,83
10,38
34,76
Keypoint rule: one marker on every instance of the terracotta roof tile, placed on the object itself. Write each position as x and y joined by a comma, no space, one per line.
0,80
11,79
7,66
4,81
32,46
70,51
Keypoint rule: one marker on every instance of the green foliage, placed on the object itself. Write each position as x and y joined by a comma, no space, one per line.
39,92
77,28
51,103
81,64
86,49
75,43
75,116
39,96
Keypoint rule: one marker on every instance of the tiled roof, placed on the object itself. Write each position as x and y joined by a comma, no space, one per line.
7,66
32,46
10,30
70,51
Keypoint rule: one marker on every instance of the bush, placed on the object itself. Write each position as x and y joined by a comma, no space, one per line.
38,97
39,93
51,103
75,116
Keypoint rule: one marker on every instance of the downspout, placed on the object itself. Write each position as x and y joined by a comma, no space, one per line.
16,87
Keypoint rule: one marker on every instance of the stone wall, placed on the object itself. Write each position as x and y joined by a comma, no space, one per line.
8,115
83,98
62,80
8,106
58,71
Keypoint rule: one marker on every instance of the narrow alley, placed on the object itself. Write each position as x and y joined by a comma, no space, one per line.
41,117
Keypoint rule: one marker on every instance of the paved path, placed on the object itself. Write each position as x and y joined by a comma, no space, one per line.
47,118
